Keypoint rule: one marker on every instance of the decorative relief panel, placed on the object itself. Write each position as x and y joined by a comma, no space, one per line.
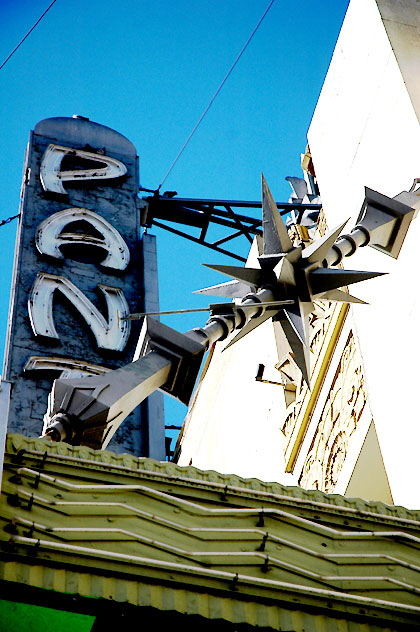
325,329
325,325
338,421
345,401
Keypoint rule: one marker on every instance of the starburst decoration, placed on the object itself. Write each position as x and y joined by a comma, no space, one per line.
294,274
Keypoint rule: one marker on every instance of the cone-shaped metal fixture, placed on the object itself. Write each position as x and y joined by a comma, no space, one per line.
275,235
317,251
340,297
268,262
295,316
285,272
250,276
231,289
294,325
250,326
325,279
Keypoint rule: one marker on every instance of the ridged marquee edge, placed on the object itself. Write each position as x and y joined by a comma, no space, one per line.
16,443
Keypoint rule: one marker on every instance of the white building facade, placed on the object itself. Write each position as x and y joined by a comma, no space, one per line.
355,432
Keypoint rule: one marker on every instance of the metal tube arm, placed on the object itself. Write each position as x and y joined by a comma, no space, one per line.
89,410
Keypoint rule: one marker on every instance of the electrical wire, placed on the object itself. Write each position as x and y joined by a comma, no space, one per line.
229,72
27,35
8,220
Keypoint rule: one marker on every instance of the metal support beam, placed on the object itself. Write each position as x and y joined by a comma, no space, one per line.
88,411
201,213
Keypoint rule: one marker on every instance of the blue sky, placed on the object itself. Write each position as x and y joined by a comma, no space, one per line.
148,70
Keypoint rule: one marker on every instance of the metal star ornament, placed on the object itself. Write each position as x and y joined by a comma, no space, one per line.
292,273
88,411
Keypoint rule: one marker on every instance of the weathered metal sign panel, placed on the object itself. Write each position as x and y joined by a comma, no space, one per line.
80,265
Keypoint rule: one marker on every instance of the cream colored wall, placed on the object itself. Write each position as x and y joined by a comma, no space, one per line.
365,131
233,425
369,479
339,421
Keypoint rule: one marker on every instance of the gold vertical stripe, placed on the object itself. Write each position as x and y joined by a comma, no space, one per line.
317,387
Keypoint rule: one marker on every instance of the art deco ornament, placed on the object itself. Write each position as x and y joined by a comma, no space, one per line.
299,275
289,278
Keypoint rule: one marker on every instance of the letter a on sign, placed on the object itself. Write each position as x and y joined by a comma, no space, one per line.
52,234
52,177
111,335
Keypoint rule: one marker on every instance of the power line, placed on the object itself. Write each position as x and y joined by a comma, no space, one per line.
8,220
229,72
27,35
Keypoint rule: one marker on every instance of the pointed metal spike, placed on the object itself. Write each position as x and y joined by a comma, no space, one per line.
230,289
296,319
250,326
339,296
294,255
325,279
276,237
295,338
250,276
285,272
317,251
299,186
269,262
